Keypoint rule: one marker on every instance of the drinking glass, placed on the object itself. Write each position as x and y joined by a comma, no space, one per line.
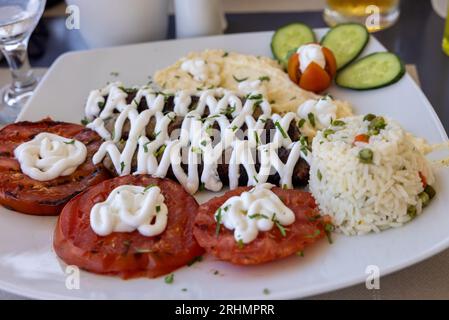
446,35
384,12
18,18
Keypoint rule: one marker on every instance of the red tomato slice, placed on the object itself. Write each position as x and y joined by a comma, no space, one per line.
293,68
122,253
331,63
268,246
315,78
24,194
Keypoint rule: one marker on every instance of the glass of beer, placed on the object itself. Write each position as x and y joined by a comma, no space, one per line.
446,35
375,14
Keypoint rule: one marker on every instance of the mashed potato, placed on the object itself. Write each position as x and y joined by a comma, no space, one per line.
231,70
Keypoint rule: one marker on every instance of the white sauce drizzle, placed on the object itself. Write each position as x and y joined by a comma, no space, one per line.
195,137
323,109
129,208
48,156
253,211
202,71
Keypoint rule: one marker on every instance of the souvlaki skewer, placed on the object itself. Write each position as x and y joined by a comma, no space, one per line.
204,139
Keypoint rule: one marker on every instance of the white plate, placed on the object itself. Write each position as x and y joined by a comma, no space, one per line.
28,265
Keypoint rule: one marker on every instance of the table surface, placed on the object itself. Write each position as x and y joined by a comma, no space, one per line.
416,38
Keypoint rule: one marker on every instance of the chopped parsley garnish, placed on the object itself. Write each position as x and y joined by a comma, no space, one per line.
255,97
239,80
240,244
197,150
328,132
85,121
235,128
256,137
329,228
264,78
229,111
202,187
319,175
145,146
258,216
279,225
218,218
266,291
160,151
128,90
203,143
225,54
284,186
169,279
281,130
338,123
311,118
148,187
122,166
158,208
101,104
301,123
255,179
300,253
194,260
70,142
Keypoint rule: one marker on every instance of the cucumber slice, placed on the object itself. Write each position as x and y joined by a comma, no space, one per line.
288,38
376,70
346,41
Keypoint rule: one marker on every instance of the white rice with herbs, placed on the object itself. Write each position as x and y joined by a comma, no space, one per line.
374,196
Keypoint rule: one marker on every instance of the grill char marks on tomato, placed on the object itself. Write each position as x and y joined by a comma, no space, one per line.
24,194
128,254
268,246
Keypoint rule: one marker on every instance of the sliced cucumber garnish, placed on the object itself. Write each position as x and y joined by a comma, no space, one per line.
288,38
376,70
346,41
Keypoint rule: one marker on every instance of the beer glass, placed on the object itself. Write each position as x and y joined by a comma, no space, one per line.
375,14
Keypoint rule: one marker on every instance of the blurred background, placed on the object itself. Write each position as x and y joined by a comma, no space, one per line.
412,29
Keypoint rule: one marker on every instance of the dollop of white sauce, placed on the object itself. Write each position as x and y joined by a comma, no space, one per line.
202,70
129,208
309,53
324,111
48,156
253,211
